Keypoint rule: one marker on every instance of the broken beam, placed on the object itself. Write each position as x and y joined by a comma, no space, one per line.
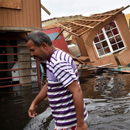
67,29
59,34
45,9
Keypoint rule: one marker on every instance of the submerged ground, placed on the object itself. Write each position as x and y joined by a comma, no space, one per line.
106,95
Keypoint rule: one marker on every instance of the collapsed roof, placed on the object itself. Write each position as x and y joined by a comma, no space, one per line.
80,26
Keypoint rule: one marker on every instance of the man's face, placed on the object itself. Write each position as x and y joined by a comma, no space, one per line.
36,51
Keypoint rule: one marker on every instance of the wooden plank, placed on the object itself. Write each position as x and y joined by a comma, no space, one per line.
5,17
28,16
87,26
16,18
82,46
32,16
38,13
103,14
24,14
76,28
35,13
21,17
2,15
84,32
14,4
79,31
27,10
43,7
86,20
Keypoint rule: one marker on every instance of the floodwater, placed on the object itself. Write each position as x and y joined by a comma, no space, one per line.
106,95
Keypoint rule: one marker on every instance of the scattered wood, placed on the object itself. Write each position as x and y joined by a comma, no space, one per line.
99,67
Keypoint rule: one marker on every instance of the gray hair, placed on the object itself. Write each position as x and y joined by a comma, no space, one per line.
38,37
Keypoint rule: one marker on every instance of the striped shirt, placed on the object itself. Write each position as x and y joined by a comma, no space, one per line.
61,72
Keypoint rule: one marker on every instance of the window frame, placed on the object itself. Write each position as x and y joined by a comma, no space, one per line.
108,42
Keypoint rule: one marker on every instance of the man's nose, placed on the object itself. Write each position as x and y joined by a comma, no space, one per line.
32,54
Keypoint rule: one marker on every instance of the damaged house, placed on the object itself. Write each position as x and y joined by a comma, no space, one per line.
104,38
17,18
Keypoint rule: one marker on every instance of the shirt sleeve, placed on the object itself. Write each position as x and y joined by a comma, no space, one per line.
64,72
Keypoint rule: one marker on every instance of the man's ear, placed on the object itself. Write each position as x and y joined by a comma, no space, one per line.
44,45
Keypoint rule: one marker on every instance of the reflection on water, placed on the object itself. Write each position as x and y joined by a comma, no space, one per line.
109,102
106,95
110,86
109,114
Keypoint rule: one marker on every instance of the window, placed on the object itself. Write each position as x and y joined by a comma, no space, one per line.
108,40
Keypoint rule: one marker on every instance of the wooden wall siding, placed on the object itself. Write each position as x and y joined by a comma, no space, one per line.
88,37
16,4
82,46
91,53
124,57
28,16
99,61
124,30
106,60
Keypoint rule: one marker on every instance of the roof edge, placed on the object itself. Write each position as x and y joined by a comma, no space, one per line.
19,29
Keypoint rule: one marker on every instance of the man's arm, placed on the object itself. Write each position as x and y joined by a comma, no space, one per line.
42,94
75,89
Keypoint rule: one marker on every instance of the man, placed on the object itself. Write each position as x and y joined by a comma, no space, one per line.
63,89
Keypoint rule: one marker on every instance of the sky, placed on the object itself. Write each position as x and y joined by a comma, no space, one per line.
60,8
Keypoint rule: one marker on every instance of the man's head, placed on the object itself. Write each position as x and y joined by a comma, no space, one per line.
40,45
38,37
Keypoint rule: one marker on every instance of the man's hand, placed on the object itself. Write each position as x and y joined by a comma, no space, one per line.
32,111
42,94
82,127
